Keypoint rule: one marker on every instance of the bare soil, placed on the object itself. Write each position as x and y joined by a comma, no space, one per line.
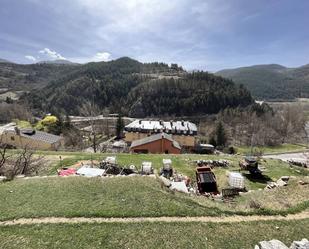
222,219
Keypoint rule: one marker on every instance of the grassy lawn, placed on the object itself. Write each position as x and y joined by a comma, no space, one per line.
144,196
128,197
152,235
80,196
246,150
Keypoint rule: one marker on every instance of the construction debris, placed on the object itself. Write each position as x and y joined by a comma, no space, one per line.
283,181
213,163
110,160
167,170
298,163
236,180
277,244
90,172
67,172
230,192
165,181
206,180
179,186
172,179
252,165
303,244
146,168
272,244
301,182
112,168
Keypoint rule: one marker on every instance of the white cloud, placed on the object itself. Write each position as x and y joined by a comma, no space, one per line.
99,56
102,56
30,57
52,54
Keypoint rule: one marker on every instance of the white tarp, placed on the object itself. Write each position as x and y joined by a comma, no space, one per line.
110,159
179,186
90,172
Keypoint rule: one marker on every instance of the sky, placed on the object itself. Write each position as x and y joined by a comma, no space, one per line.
198,34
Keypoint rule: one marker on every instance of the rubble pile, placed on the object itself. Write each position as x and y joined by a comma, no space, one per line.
213,163
108,167
174,181
277,244
283,181
298,163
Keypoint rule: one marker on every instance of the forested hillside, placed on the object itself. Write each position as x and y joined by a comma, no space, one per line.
17,77
196,93
272,81
133,88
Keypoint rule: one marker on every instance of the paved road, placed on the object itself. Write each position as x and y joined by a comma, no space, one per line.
301,157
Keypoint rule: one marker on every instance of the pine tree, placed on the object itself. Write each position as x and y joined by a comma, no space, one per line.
213,141
220,134
119,126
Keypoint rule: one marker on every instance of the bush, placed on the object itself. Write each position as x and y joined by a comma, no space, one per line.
231,150
254,204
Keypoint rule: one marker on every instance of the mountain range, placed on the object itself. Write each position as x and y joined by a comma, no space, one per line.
271,82
136,89
26,77
4,61
60,62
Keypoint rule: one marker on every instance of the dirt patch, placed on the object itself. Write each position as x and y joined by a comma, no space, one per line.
228,219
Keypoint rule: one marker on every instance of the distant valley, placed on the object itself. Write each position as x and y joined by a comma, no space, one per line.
268,82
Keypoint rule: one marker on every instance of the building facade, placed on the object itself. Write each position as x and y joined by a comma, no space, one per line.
184,132
160,143
32,139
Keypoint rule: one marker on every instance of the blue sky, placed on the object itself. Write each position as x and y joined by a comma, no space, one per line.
198,34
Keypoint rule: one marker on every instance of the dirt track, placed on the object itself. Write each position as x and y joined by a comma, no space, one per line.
228,219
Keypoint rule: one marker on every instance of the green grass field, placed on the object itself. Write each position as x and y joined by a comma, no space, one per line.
142,196
151,235
283,148
130,197
95,197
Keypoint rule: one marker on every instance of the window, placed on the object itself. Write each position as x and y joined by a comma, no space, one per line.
12,138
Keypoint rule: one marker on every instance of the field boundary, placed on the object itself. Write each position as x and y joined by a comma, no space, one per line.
286,152
222,219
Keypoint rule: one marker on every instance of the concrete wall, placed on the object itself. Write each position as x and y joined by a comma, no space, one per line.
160,146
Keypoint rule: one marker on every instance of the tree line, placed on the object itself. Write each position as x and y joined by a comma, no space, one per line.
127,87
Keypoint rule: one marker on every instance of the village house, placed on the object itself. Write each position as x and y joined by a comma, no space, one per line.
156,144
20,138
184,132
